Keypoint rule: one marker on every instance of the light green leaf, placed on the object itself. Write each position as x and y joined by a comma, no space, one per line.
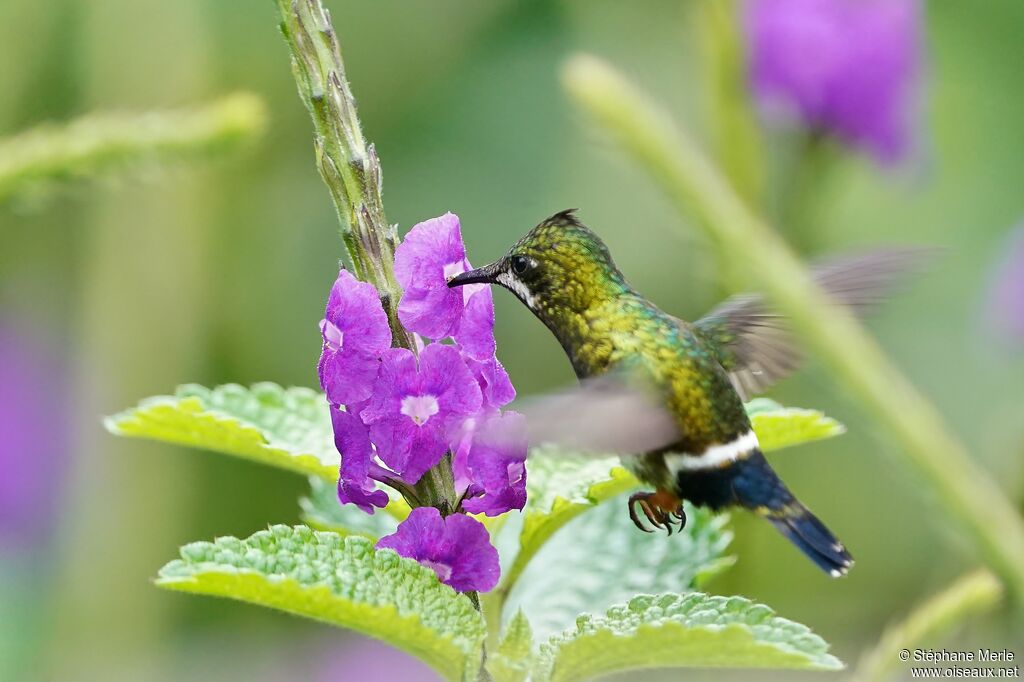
600,559
780,427
559,488
322,510
287,428
342,581
513,659
672,630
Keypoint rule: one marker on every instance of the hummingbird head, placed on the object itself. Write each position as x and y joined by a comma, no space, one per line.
559,267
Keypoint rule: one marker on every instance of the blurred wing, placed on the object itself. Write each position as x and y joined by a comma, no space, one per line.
602,415
753,341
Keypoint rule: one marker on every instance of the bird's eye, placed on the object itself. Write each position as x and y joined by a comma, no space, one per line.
520,264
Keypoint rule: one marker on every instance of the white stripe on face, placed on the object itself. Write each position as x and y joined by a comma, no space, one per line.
715,456
513,284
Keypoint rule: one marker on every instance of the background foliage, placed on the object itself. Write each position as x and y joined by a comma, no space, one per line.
217,273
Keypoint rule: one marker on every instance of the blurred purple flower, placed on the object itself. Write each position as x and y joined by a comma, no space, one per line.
1005,309
355,332
432,253
358,470
490,465
32,439
414,411
845,66
361,658
457,548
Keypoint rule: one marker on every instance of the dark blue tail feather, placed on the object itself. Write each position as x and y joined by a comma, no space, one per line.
810,535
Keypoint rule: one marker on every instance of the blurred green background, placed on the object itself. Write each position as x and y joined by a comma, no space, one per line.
217,272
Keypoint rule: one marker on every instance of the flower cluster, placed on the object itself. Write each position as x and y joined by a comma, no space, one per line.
396,413
843,66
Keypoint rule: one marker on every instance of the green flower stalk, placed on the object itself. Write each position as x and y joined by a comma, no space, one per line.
105,142
695,186
348,164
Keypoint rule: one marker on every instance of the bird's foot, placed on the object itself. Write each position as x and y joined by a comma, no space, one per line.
662,509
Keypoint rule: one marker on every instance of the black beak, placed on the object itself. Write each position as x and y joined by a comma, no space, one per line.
484,275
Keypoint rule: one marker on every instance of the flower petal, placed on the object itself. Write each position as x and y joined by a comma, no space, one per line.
396,379
354,483
430,248
444,374
355,331
347,376
475,332
457,548
495,464
494,382
354,307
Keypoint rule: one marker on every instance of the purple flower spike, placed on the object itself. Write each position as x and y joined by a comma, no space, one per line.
355,330
412,412
847,66
432,253
355,485
493,463
457,548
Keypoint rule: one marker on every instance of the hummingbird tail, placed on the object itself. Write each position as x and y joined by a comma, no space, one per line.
810,535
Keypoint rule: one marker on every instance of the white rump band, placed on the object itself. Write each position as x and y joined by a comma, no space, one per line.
715,456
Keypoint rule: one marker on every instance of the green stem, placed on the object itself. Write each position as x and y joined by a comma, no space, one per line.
734,129
805,189
351,170
348,165
103,142
976,592
646,132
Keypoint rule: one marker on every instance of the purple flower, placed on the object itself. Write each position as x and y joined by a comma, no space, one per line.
457,548
355,331
847,66
353,658
1005,309
432,253
414,411
490,465
355,484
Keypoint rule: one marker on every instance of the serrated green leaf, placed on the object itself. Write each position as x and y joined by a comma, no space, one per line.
779,427
672,630
287,428
342,581
321,510
600,559
513,659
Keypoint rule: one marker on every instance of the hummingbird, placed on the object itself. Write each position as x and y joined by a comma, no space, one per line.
700,373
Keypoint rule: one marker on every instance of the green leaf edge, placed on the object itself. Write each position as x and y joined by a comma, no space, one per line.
151,417
441,652
603,652
513,659
815,425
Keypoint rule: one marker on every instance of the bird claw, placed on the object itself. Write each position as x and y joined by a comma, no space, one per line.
653,507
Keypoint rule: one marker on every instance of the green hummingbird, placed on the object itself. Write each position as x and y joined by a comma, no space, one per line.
700,372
